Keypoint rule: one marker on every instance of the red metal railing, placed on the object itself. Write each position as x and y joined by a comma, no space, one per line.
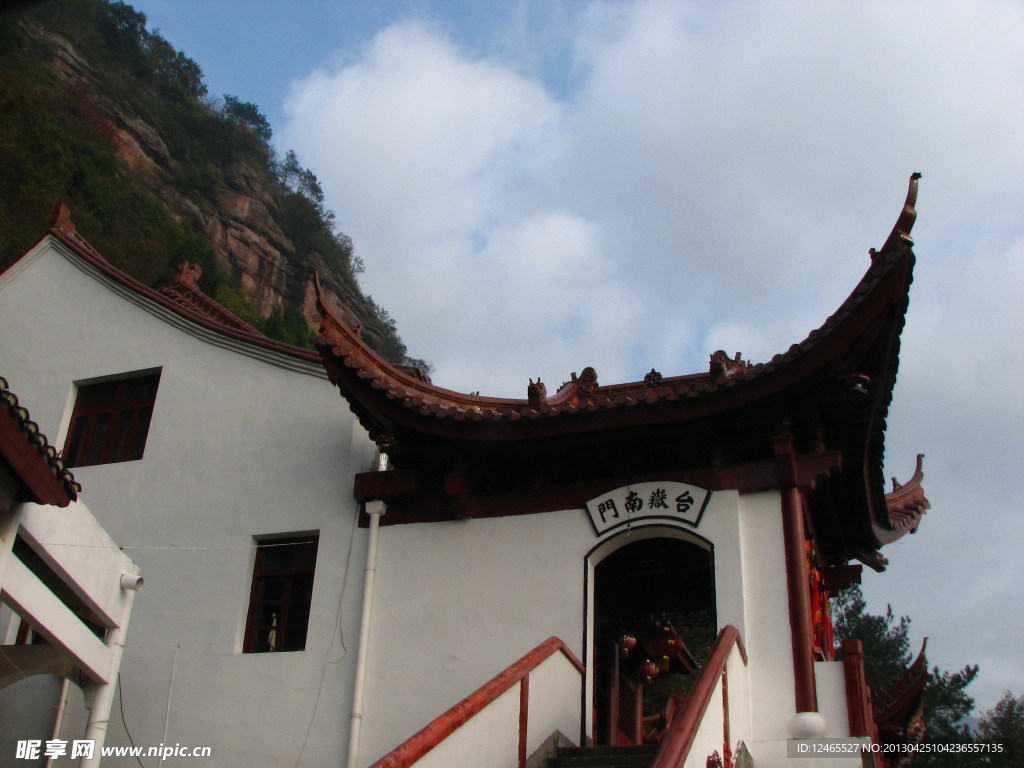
414,748
675,747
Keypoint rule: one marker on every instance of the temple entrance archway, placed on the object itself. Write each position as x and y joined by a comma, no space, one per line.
652,618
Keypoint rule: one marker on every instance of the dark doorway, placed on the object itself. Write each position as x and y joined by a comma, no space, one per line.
654,621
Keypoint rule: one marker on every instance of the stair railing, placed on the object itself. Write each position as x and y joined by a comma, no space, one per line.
690,720
438,732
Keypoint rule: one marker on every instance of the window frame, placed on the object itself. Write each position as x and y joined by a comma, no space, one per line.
115,429
288,621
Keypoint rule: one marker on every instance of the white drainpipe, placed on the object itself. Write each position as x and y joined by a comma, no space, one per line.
58,720
101,698
376,509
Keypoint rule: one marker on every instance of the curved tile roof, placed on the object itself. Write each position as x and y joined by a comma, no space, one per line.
342,347
27,451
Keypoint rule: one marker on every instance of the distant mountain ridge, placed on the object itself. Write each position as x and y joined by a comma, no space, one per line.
102,114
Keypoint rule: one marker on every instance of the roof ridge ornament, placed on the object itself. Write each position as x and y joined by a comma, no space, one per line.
60,220
536,393
721,365
184,289
188,275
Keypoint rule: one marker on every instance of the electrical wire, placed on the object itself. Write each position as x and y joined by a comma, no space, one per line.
120,701
338,632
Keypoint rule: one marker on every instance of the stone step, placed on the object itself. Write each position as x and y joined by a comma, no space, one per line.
604,757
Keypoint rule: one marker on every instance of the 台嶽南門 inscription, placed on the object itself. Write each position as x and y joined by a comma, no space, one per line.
647,503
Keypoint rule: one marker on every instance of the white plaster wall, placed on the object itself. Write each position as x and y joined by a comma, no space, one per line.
238,447
506,585
556,687
490,738
458,602
710,735
739,699
831,684
766,610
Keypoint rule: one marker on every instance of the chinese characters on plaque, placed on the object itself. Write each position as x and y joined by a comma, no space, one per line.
665,503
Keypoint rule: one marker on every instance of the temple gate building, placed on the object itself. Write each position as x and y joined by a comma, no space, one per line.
348,565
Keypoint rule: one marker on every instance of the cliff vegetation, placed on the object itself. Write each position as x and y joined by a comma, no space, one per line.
109,117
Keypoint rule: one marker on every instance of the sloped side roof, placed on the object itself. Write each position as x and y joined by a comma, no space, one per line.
35,463
183,297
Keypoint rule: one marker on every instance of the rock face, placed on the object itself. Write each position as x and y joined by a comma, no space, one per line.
240,216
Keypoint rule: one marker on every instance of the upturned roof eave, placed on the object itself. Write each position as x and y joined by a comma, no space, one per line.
388,400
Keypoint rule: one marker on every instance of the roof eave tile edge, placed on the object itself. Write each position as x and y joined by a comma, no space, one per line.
51,482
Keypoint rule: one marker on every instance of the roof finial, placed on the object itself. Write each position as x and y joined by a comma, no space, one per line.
901,232
188,275
60,219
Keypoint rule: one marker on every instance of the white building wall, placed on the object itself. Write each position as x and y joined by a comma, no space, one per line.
766,609
239,446
458,602
506,584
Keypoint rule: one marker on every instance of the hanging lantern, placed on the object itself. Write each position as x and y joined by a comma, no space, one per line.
626,644
647,671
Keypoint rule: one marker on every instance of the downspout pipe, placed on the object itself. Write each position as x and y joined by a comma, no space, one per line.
375,509
58,720
101,696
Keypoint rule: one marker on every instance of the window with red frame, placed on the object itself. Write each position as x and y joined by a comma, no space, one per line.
110,422
282,589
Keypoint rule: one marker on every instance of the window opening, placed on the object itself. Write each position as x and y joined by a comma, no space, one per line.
110,421
282,590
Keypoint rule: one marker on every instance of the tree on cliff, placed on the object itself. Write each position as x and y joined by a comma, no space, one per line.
887,654
247,115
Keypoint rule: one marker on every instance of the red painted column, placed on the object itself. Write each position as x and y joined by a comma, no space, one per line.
726,738
800,620
858,695
524,718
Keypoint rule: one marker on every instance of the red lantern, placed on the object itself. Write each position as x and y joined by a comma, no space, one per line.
626,644
648,670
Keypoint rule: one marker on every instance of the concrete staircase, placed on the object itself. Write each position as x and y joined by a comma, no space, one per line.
604,757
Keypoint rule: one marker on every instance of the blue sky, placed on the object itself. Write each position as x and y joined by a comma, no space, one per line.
540,186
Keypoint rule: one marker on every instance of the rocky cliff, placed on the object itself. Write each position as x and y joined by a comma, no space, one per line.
230,196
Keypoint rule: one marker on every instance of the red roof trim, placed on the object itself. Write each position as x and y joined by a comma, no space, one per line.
63,229
185,290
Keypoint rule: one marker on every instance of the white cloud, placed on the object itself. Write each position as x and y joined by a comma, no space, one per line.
713,178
